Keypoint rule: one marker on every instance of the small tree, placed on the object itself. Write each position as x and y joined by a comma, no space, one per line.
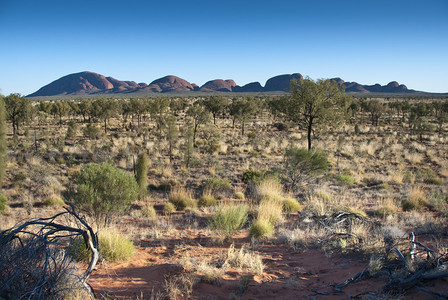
18,110
188,146
141,172
104,191
2,140
301,164
199,115
172,133
243,110
216,105
315,104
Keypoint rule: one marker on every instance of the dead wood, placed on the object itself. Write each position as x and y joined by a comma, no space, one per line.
36,261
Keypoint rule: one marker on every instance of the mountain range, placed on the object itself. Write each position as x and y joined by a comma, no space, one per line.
89,83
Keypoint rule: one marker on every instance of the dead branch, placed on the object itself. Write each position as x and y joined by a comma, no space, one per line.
35,261
340,286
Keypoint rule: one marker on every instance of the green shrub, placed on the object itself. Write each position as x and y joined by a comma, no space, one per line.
182,199
344,179
251,135
92,132
54,200
71,130
104,191
141,172
291,205
261,228
216,184
228,219
437,201
113,247
253,175
428,176
3,203
301,164
168,208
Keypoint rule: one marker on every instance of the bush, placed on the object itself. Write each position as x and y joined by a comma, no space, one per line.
228,219
104,191
280,126
437,201
291,205
71,130
182,199
92,132
301,164
168,208
253,175
342,179
261,228
113,247
217,185
54,200
141,172
3,203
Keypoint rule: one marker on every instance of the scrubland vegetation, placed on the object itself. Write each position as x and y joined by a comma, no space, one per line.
352,177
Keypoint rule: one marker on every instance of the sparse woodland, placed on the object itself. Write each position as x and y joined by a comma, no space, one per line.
225,193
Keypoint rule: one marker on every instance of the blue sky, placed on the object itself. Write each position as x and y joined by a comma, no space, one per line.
364,41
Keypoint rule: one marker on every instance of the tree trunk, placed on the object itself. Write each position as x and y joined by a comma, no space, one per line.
309,132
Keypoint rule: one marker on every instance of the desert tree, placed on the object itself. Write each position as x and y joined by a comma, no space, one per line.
178,105
172,132
158,109
18,110
376,110
440,112
188,144
103,191
60,109
2,140
199,115
315,104
85,109
141,173
105,109
243,110
216,105
138,107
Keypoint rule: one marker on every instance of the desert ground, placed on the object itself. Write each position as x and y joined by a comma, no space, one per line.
371,225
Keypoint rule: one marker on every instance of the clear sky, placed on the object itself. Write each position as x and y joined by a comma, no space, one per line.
367,41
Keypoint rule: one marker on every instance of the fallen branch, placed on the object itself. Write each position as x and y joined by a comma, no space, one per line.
340,286
35,262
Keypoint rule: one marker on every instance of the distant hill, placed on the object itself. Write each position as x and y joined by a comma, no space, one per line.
87,83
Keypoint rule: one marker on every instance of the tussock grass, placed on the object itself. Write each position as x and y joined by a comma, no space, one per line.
261,229
182,199
207,199
54,200
245,260
416,199
148,211
113,247
228,219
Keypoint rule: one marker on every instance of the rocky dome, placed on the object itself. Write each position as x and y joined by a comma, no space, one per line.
218,85
170,83
280,82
